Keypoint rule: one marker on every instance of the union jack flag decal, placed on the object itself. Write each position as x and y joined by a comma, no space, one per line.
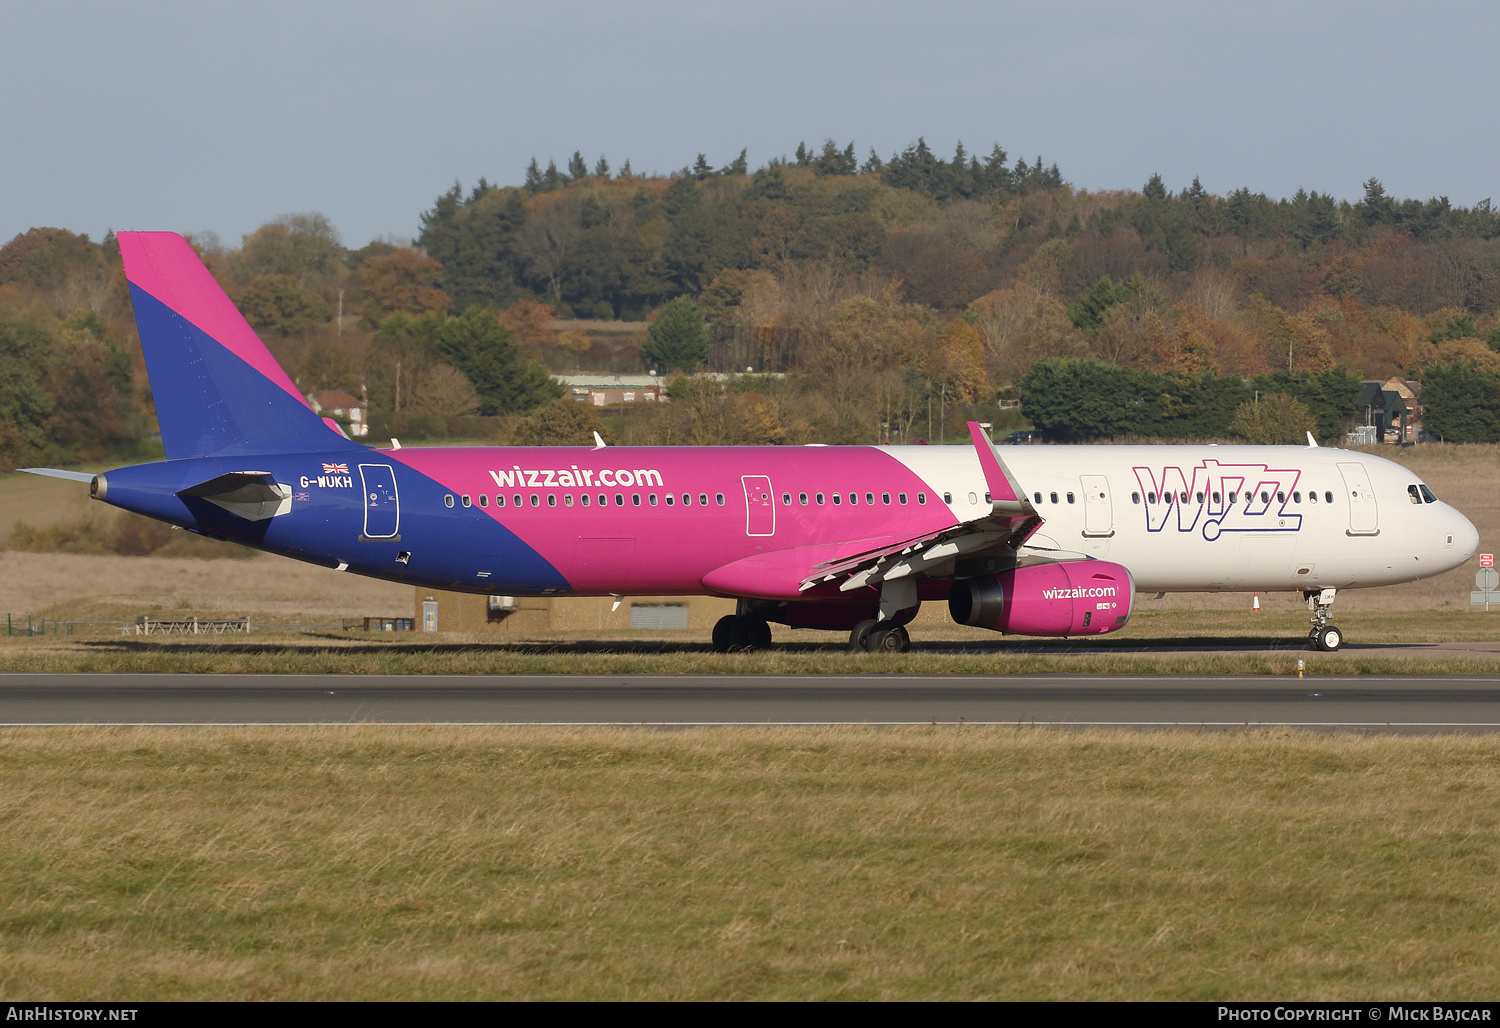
335,469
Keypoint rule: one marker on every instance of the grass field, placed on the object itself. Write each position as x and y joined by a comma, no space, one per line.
409,863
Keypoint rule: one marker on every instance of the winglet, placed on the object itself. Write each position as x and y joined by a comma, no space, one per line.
1006,496
1311,442
599,442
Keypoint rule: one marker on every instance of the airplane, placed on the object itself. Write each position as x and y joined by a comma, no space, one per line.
1050,541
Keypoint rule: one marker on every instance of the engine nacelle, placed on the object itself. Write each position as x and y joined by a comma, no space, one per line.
1075,597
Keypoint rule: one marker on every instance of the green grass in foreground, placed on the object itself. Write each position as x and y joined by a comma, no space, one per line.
401,862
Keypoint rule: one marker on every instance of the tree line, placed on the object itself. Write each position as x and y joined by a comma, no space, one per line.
901,292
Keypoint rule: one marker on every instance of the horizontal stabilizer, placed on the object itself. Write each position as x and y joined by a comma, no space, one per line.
252,495
71,476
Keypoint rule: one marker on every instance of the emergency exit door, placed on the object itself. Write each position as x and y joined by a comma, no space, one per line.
760,505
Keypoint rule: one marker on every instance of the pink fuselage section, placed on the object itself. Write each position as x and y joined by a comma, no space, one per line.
661,520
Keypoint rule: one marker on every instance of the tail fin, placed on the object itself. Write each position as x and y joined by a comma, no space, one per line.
217,388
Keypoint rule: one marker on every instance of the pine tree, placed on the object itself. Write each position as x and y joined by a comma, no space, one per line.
601,169
577,168
678,338
534,177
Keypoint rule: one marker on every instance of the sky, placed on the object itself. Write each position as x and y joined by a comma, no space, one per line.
217,117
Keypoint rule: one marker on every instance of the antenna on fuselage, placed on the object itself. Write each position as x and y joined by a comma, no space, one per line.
1311,442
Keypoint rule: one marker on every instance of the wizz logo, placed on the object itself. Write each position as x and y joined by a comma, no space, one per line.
1214,498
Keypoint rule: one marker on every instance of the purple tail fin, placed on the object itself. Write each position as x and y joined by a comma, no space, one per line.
216,386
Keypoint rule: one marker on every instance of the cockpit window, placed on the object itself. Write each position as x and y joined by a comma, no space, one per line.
1416,496
1427,494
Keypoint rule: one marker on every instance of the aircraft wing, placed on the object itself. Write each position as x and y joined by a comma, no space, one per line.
1011,521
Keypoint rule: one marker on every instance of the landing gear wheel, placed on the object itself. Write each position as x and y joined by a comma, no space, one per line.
859,637
723,636
756,634
1328,639
734,633
889,640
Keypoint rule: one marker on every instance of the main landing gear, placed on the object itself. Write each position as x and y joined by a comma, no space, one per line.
879,637
734,633
1322,636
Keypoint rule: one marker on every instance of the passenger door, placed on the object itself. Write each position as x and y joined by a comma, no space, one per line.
382,505
1364,518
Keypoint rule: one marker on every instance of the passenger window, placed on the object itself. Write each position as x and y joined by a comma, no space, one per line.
1327,496
719,499
901,497
1296,496
585,499
947,497
786,499
499,499
1312,497
603,500
1280,496
484,499
922,498
687,499
1053,496
619,499
973,500
1150,498
536,501
448,500
670,499
651,499
820,499
838,498
1181,496
1197,497
870,498
464,499
635,499
987,498
1218,498
885,498
517,499
552,499
703,499
853,499
567,499
1135,497
1070,497
1037,497
1234,498
802,499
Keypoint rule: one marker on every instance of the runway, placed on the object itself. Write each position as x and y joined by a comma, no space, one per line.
1370,703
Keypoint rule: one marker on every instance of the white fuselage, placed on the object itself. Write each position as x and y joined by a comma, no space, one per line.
1210,518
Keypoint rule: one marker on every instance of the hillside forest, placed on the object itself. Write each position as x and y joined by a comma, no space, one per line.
879,300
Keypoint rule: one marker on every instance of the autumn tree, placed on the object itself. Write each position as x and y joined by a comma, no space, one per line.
402,280
276,303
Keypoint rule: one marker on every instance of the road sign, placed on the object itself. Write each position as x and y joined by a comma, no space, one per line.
1485,580
1486,560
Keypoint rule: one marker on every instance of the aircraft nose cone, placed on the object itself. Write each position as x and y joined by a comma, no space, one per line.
1465,539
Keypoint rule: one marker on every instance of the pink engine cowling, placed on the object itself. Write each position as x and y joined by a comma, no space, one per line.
1076,597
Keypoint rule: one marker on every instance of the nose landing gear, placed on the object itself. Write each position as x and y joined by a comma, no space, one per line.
1323,636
